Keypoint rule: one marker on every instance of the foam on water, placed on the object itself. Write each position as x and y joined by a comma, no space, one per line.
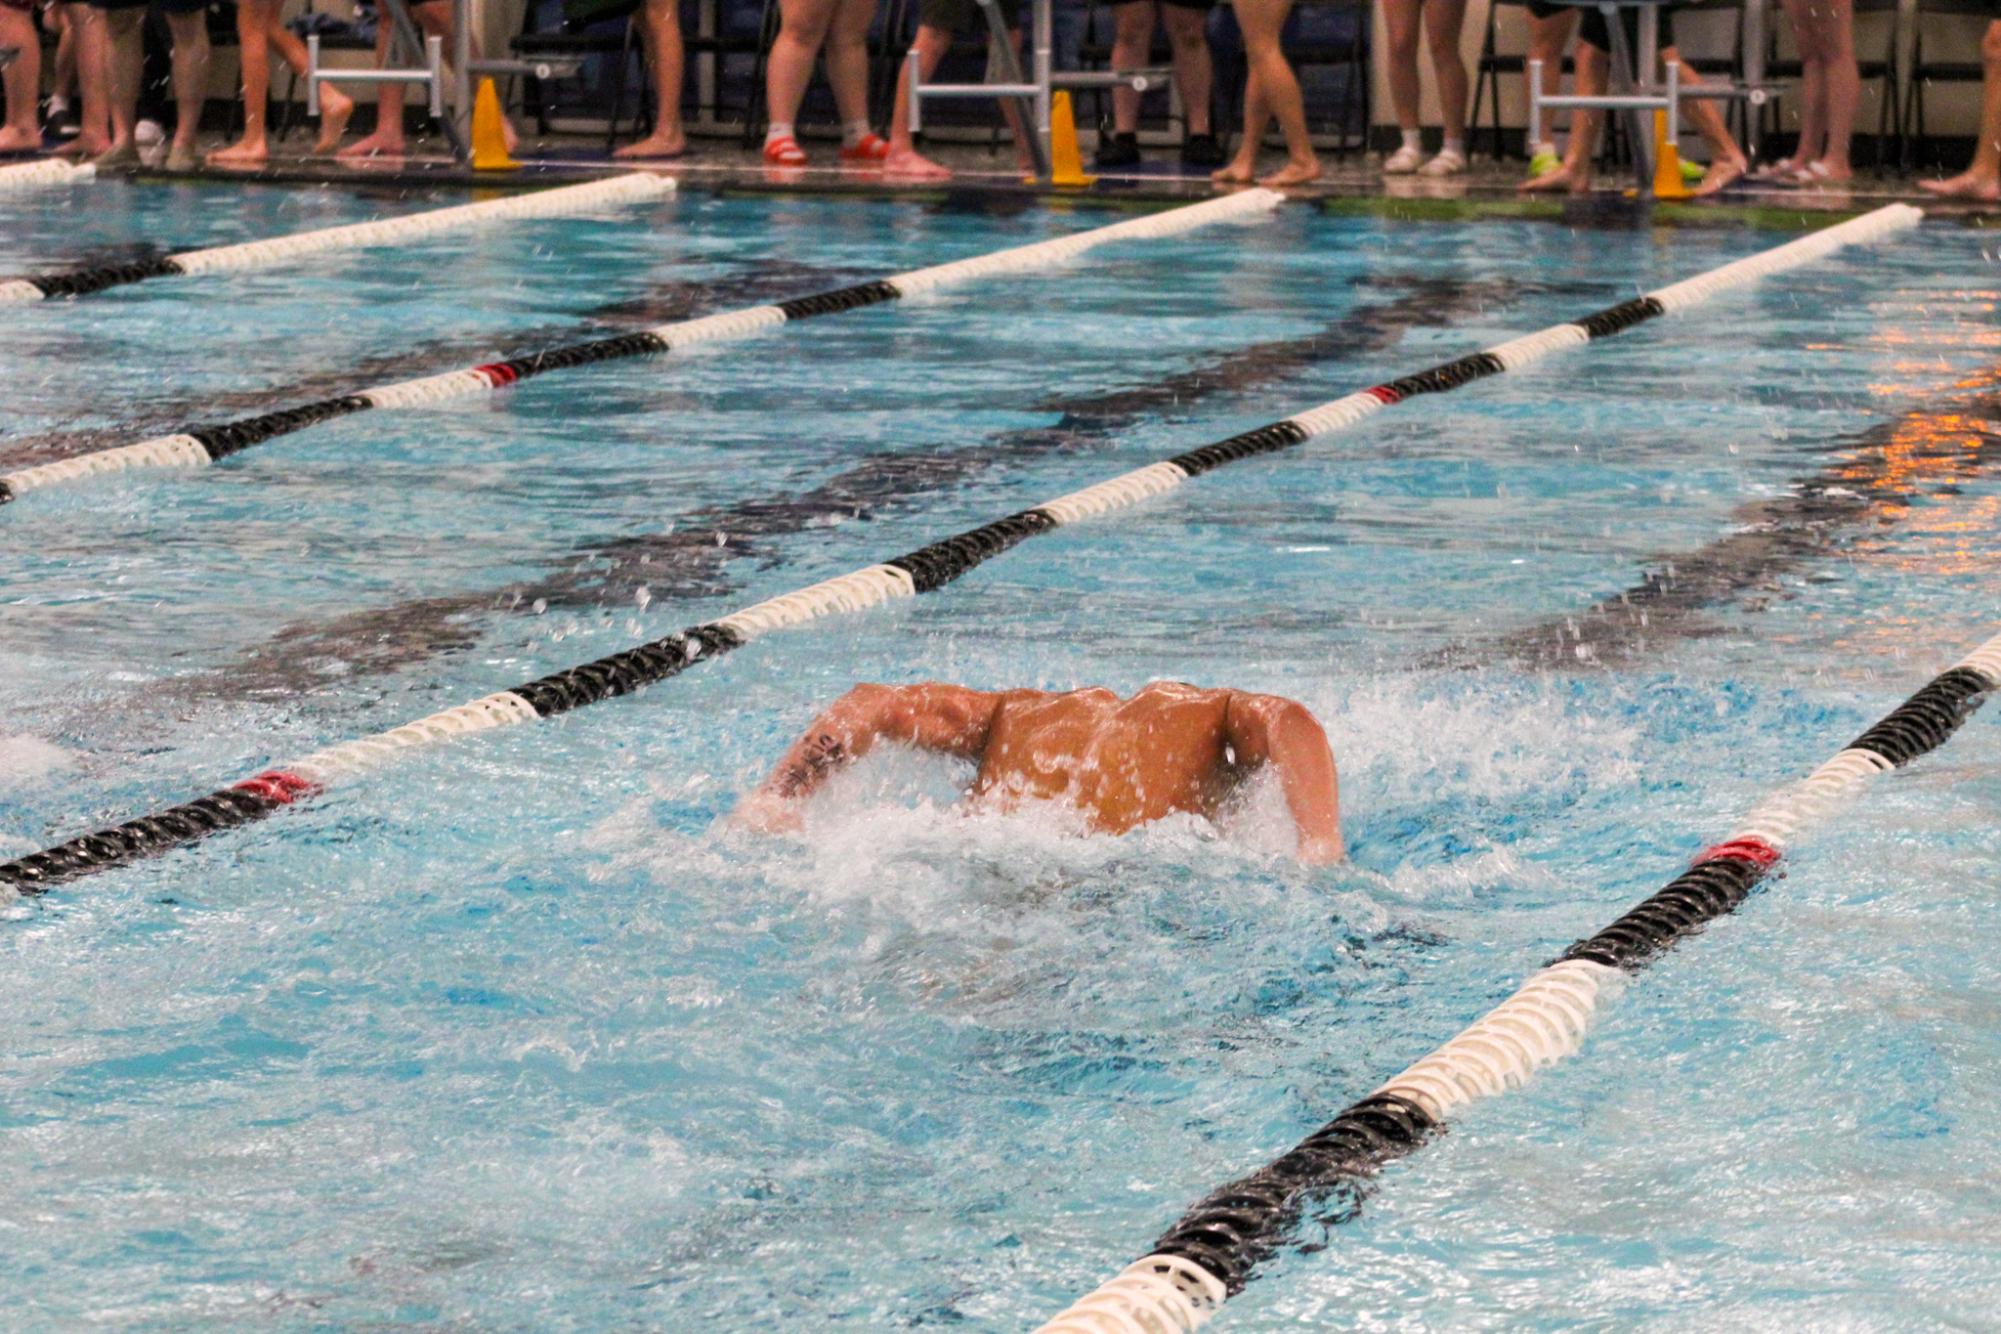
522,1034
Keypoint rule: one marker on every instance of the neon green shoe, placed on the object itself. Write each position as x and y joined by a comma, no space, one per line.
1693,172
1543,163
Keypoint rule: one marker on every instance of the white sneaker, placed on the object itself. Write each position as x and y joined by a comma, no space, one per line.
1449,162
1402,162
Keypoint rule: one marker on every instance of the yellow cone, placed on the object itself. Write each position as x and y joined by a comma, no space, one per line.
1668,182
489,138
1066,164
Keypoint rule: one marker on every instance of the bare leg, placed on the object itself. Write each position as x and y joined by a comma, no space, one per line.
802,28
124,59
1982,180
1262,21
846,58
1194,67
1400,23
1813,88
1841,83
660,36
1442,22
93,80
66,84
1547,38
252,17
904,159
1243,168
190,64
1132,43
335,106
387,139
1726,161
1593,72
1011,112
22,131
434,19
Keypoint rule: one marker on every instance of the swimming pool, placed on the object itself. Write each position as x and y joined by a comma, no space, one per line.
512,1036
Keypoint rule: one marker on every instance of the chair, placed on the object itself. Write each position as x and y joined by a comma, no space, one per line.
1923,71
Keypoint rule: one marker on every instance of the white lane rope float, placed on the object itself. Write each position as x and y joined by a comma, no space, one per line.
626,188
42,174
920,571
198,446
1217,1246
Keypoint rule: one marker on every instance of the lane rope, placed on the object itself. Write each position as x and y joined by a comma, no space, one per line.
920,571
1216,1247
628,188
198,446
42,174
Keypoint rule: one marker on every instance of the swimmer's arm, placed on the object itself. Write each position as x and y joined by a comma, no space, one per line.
1268,731
952,720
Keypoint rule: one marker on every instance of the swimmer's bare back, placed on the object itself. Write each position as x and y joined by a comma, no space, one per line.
1119,762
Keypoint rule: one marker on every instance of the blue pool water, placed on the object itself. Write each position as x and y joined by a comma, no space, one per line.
514,1036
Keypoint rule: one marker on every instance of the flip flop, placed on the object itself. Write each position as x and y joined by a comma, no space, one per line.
785,151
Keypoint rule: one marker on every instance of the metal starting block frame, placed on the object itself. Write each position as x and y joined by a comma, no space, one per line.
1032,95
406,44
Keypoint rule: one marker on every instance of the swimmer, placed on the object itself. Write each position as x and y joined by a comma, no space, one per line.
1120,763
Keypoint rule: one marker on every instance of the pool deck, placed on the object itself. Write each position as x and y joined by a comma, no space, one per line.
1353,182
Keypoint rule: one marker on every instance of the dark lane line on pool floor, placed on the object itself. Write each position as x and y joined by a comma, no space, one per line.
927,569
1872,482
662,302
691,559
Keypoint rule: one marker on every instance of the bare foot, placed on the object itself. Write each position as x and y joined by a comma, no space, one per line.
243,153
510,138
659,144
1966,185
1239,172
1566,177
13,140
335,109
85,147
386,143
1722,172
909,163
1294,172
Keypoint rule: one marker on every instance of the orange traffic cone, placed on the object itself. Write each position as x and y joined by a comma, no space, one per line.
1668,180
489,138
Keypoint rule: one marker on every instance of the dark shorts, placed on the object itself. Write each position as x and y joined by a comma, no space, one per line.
1593,32
168,6
24,6
1542,9
958,16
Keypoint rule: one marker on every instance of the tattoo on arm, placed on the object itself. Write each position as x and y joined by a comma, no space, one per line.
821,755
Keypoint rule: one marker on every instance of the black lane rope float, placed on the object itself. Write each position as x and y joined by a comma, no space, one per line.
625,188
691,558
199,446
920,571
664,299
1218,1245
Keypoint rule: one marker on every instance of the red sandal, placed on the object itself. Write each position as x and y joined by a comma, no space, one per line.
784,151
869,148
